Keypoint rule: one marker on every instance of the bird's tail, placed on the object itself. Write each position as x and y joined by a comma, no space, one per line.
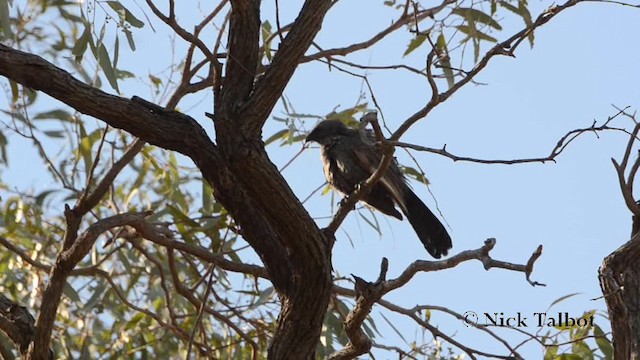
429,229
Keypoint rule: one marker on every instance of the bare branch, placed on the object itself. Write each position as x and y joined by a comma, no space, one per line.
201,305
404,19
481,254
506,47
626,185
169,130
560,146
163,237
437,333
184,34
367,294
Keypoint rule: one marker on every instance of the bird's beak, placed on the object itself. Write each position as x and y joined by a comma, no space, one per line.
312,136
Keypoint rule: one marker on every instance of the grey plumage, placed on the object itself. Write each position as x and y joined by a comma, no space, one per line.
349,157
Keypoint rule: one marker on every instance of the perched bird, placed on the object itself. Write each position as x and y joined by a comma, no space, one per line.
350,156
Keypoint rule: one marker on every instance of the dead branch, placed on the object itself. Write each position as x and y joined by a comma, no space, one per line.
506,47
367,294
560,146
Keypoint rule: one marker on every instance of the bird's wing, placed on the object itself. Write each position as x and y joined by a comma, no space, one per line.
368,158
344,171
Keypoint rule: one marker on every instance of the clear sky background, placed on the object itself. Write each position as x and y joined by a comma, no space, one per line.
583,62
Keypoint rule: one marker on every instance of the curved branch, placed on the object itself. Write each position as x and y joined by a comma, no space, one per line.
73,252
560,146
368,294
168,129
404,19
506,47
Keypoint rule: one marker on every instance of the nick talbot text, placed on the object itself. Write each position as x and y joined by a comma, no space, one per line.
538,319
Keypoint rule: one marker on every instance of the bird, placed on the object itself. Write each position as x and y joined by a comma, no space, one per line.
349,159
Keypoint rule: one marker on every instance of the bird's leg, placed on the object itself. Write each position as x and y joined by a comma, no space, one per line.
356,188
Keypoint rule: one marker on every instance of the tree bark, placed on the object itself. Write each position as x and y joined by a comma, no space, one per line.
620,282
295,252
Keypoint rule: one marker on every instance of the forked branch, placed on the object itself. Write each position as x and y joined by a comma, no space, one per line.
367,294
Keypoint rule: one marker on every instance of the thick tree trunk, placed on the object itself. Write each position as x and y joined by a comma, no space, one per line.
295,252
620,282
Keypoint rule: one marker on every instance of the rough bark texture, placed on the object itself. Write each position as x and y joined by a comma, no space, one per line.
620,282
17,323
295,252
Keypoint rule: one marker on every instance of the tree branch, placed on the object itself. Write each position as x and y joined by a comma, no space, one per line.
170,130
560,146
72,254
242,60
404,19
367,294
506,47
270,86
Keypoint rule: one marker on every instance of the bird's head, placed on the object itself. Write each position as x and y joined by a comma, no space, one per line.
326,130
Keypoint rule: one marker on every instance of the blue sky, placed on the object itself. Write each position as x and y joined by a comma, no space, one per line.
583,62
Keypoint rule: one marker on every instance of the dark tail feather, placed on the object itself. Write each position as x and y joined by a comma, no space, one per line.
429,229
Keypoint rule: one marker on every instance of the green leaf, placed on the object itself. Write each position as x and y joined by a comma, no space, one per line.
15,93
5,19
394,328
445,60
207,198
81,44
415,174
266,34
477,16
129,35
179,215
43,195
3,148
125,14
568,357
414,44
523,11
551,352
116,51
581,349
56,134
475,33
603,343
265,295
57,114
374,224
561,299
98,293
71,293
347,115
278,135
69,16
105,64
